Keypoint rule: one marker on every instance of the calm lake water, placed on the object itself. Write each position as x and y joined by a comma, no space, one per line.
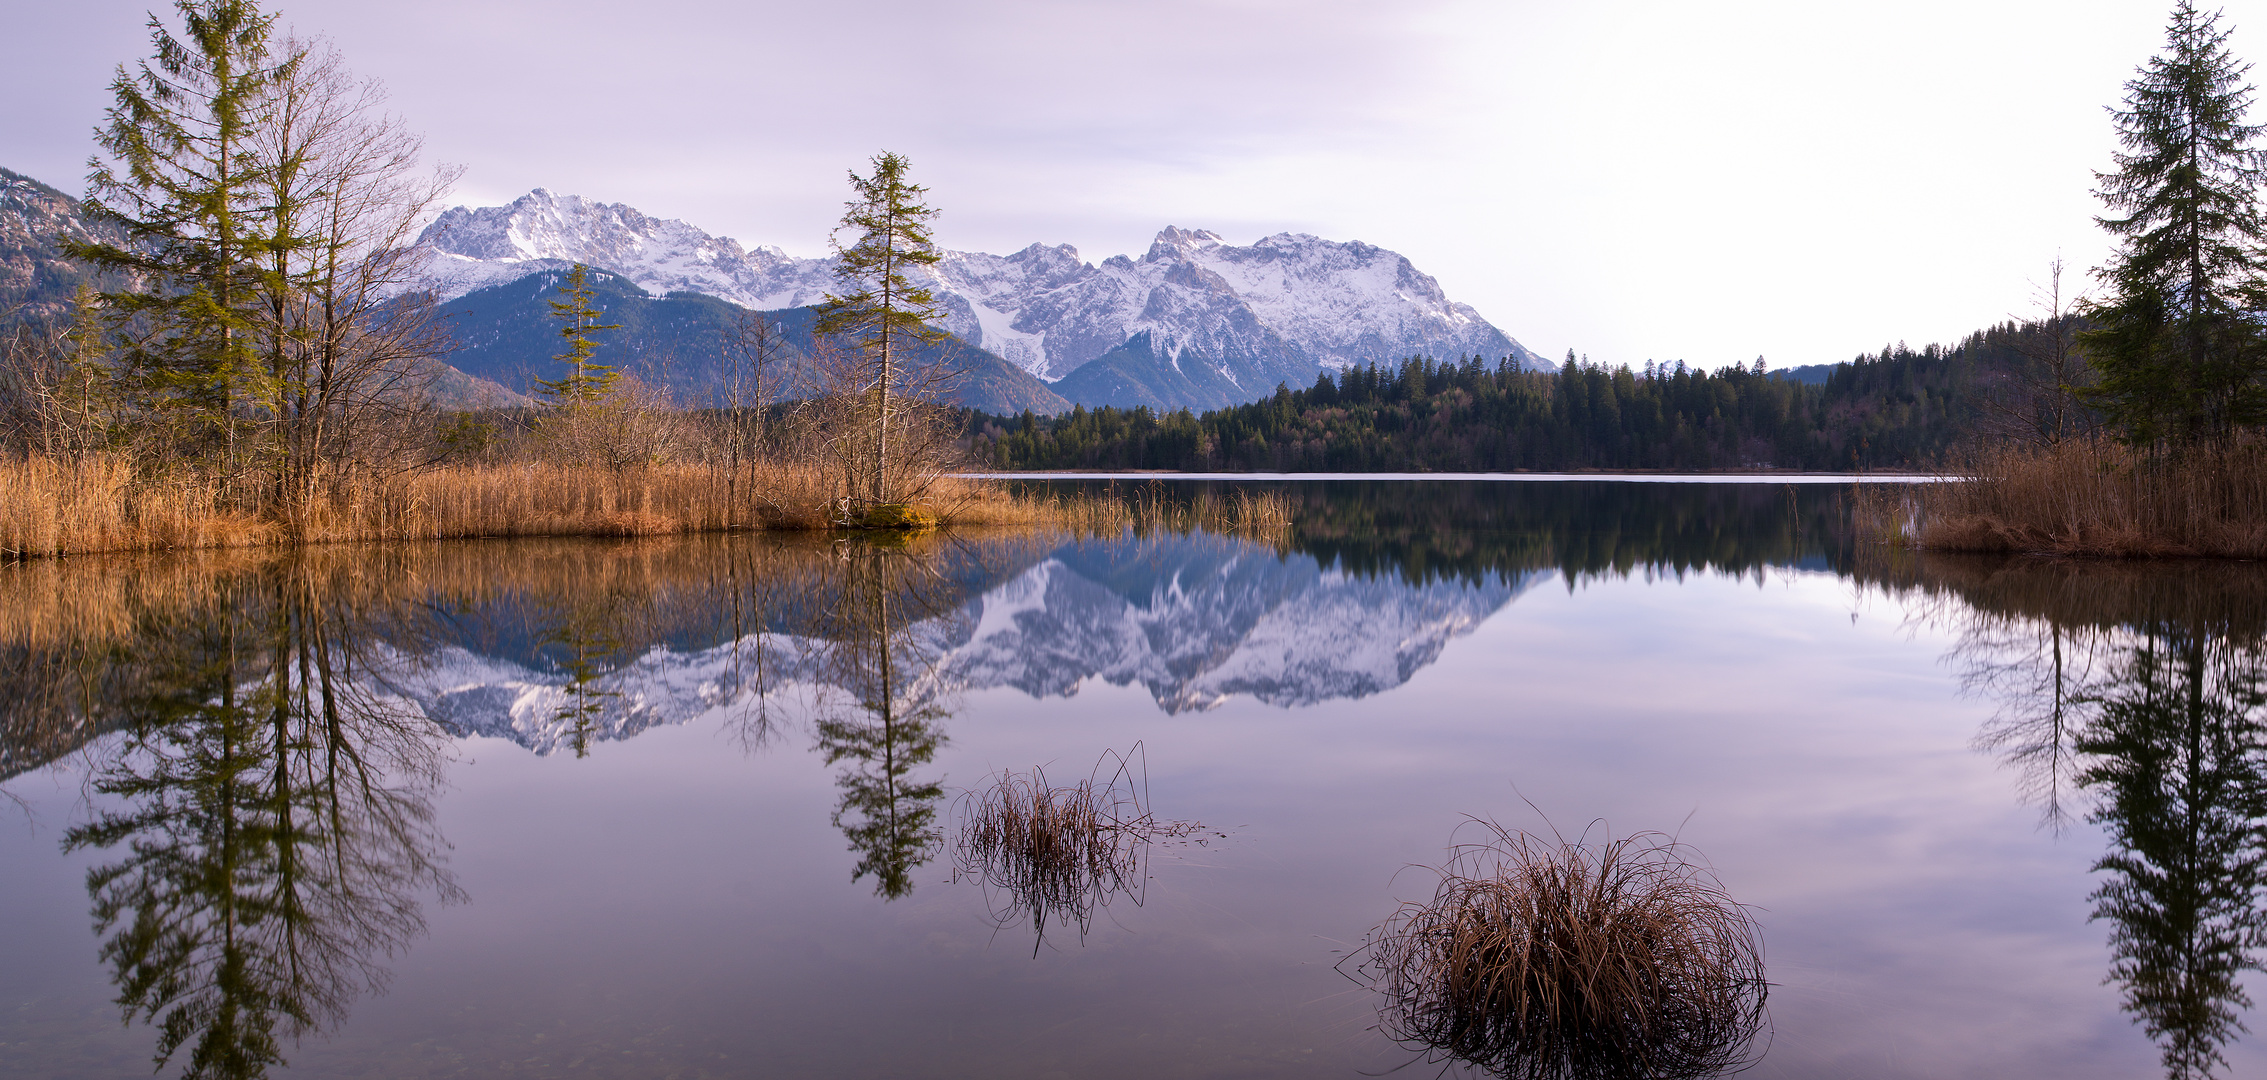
689,807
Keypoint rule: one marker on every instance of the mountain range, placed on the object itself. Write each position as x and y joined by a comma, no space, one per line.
1194,322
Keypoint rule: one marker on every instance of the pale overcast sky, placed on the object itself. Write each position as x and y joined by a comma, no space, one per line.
1635,180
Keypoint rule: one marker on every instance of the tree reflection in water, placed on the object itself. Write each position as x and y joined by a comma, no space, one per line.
272,805
583,631
879,704
2145,690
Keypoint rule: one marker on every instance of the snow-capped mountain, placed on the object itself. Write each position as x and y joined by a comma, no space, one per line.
1194,620
474,248
1329,304
1276,310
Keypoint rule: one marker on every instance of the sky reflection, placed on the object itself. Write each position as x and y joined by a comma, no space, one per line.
683,898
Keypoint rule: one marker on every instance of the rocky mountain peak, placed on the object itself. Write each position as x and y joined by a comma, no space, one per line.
1278,310
1175,242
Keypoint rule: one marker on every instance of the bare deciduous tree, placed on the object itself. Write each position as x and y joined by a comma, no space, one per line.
348,345
2039,400
753,349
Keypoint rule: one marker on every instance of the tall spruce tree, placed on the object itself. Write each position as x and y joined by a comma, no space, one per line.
881,311
2178,345
587,381
184,184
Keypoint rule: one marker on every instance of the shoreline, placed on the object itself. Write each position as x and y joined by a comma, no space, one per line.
2094,498
1621,476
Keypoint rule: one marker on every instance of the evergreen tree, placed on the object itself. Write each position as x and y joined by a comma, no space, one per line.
587,382
881,311
2177,346
183,185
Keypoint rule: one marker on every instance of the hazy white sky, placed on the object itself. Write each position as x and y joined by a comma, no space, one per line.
1635,180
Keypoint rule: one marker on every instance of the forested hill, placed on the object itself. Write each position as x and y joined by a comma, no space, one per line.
1899,409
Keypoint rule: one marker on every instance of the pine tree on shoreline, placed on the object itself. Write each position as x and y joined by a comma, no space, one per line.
2178,345
881,311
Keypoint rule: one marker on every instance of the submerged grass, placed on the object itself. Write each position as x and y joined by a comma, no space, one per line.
2086,497
1060,852
1551,960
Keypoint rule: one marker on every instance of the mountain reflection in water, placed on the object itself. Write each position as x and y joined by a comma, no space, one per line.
282,721
2140,693
264,736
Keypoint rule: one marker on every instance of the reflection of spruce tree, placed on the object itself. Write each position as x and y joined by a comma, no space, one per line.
892,725
2177,752
587,634
278,829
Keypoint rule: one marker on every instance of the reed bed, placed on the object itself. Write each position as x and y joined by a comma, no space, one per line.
50,506
1059,853
53,507
1150,507
1551,960
2089,497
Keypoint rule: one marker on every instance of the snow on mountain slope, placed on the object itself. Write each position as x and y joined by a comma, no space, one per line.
473,248
1288,303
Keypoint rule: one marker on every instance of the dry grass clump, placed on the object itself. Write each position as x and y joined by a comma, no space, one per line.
2099,497
1059,853
1552,960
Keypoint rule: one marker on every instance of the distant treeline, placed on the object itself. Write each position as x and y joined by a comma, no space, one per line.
1900,408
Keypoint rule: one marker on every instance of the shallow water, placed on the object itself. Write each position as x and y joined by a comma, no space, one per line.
687,807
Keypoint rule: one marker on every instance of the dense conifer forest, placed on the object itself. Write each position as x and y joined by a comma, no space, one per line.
1900,408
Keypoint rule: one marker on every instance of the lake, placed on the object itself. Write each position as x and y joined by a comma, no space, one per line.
699,807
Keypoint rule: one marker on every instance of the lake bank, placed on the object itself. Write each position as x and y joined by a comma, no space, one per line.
1537,477
2095,498
51,507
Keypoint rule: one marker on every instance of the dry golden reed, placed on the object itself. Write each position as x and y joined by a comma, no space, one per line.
50,507
1552,960
1150,507
2089,497
55,507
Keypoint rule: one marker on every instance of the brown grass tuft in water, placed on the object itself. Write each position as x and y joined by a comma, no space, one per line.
52,506
1551,960
1059,852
